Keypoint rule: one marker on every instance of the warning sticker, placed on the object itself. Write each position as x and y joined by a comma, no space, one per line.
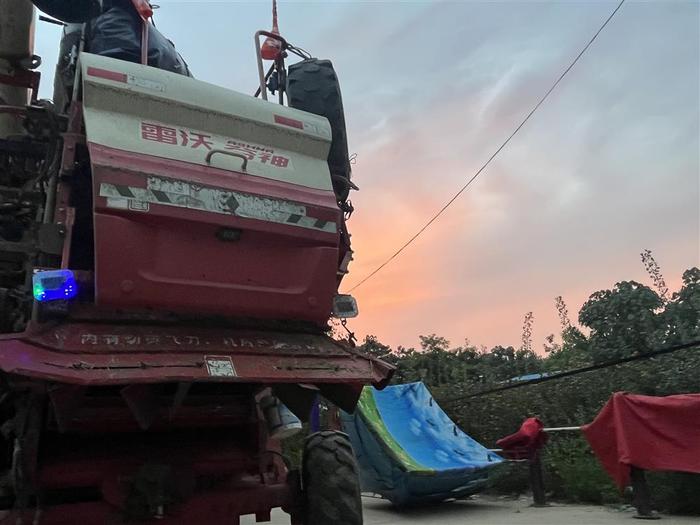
220,366
181,194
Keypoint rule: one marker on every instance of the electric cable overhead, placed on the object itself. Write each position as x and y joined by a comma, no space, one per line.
493,156
576,371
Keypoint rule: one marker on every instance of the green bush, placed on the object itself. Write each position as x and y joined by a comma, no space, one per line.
293,447
675,492
510,478
575,474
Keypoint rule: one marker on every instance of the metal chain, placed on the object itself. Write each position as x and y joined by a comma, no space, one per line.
351,335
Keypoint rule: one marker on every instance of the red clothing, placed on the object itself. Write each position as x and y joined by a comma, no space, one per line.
525,442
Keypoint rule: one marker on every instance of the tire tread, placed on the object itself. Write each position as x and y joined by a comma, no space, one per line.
331,481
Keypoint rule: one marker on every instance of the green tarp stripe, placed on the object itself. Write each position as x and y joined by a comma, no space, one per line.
369,412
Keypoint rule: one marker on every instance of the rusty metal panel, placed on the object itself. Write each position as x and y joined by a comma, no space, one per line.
90,354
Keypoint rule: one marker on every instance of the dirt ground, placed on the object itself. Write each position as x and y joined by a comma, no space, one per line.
494,511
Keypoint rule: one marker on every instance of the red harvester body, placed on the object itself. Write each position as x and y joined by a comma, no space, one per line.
200,237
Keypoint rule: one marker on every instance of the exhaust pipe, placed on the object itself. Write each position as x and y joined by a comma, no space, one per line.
16,50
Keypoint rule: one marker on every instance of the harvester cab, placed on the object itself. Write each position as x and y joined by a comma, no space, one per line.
170,256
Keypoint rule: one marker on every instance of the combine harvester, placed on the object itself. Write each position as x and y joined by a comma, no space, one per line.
170,255
410,452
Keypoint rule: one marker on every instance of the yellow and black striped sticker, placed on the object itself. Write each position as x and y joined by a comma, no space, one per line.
180,194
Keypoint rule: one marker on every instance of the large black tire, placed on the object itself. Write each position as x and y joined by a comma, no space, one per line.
331,481
313,86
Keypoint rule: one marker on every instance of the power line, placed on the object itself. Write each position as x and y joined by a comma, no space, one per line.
493,156
576,371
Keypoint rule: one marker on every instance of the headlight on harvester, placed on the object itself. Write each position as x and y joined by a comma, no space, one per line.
344,306
54,285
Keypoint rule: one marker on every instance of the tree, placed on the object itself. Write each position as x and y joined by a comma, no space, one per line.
623,321
434,343
563,312
527,331
681,316
654,271
372,346
550,345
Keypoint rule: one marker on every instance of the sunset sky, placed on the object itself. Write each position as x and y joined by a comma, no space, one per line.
608,166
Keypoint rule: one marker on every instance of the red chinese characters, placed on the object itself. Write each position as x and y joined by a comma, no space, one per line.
190,139
158,133
246,150
197,140
258,153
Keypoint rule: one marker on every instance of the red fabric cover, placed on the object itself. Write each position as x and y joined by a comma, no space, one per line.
525,442
652,433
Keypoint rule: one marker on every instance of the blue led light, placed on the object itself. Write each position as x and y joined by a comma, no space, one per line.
54,285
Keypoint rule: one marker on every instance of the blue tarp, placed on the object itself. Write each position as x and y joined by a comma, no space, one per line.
410,451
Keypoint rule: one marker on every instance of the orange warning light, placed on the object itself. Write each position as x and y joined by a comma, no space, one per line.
272,47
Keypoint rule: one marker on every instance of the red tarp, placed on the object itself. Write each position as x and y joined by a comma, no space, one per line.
525,442
652,433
